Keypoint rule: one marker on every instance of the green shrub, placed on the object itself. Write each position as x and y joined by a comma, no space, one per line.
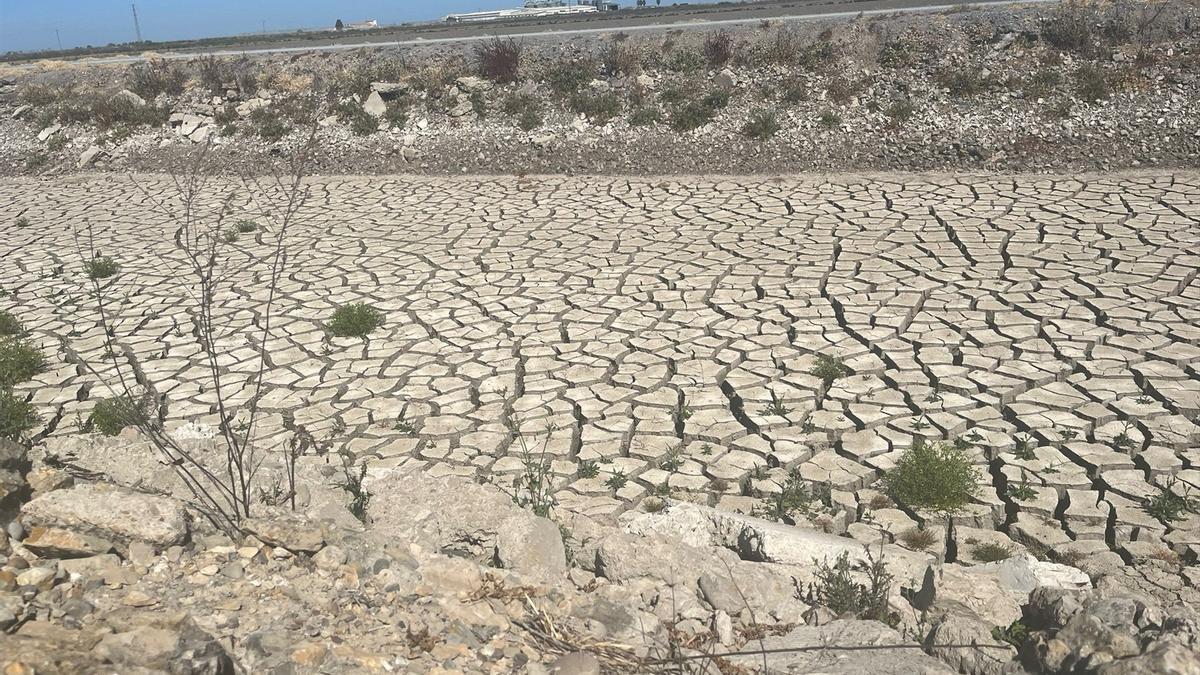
830,120
355,320
101,267
829,369
246,226
568,77
9,324
111,415
645,116
19,361
935,476
762,124
795,496
901,110
685,60
718,48
1015,634
836,589
962,83
152,78
1091,84
842,90
793,91
107,111
530,119
362,123
526,108
16,415
599,107
268,124
396,115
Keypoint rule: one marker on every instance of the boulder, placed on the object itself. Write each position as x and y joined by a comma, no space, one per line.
389,90
1023,573
726,80
470,83
831,649
53,542
375,105
288,530
89,156
130,98
459,517
49,131
116,514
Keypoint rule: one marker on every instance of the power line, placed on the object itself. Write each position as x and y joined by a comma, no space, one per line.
137,29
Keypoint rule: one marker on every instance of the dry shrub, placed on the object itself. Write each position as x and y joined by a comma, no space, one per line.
499,59
620,59
152,78
718,48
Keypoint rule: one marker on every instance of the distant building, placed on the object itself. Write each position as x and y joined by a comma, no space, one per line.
361,25
538,10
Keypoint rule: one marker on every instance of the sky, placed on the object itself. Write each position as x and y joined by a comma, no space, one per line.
27,25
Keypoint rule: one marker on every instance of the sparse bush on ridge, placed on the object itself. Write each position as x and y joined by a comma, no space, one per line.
938,477
101,267
20,361
17,415
599,107
718,48
152,78
9,324
499,59
111,415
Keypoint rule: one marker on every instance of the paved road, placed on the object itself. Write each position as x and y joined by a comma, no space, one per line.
596,24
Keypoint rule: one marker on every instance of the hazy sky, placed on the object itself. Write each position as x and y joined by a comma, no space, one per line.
30,24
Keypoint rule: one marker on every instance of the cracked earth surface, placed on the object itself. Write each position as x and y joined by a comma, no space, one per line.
668,329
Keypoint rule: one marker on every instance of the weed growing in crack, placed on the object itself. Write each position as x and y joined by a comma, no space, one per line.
589,469
990,552
1168,505
1023,491
830,119
836,588
403,426
706,449
1123,441
20,361
355,320
918,538
1068,435
352,485
101,267
617,480
796,495
673,461
935,476
1023,448
246,226
775,408
533,488
1144,400
21,222
112,415
17,415
663,489
1015,634
829,369
230,236
919,424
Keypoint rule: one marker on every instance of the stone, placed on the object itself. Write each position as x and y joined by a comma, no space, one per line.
46,479
58,543
141,553
41,578
470,83
723,628
829,659
286,530
89,156
329,558
49,131
113,513
726,80
1023,573
375,106
389,89
129,97
575,663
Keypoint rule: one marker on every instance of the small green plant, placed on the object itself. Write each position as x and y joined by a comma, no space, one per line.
568,77
1169,505
589,469
919,423
230,235
246,226
762,124
793,91
918,538
691,115
404,426
17,415
663,489
1015,634
775,408
617,480
829,369
1068,435
22,222
1022,491
526,108
355,320
673,461
830,119
1023,448
533,489
794,496
268,124
101,267
1091,84
1123,441
836,588
9,324
111,415
20,361
685,61
396,114
654,505
645,116
1144,400
990,552
934,476
352,485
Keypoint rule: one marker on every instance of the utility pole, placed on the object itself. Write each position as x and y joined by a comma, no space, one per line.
137,29
59,39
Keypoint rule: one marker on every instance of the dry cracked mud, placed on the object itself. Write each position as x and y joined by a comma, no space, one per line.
667,329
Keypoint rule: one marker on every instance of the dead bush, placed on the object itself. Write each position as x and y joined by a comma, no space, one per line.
499,59
718,48
218,75
152,78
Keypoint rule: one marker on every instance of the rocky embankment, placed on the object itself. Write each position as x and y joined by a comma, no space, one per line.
1093,86
448,576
